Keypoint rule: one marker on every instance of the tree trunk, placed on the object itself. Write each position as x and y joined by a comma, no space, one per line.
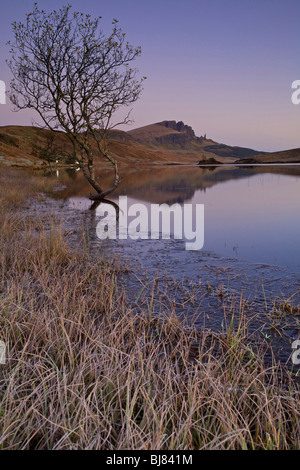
102,194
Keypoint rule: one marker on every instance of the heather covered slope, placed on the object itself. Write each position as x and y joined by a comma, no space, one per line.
286,156
178,137
19,147
161,143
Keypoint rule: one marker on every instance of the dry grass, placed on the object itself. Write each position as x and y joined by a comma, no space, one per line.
85,372
16,186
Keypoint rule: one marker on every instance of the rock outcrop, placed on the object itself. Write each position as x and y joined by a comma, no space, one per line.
183,135
178,137
179,127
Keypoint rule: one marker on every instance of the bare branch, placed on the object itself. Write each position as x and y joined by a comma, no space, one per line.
75,77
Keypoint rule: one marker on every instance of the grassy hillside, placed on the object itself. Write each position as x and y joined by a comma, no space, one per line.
21,145
286,156
178,137
165,142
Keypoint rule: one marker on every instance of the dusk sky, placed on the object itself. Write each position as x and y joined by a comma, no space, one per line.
224,67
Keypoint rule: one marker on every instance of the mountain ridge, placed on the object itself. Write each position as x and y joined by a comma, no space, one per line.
165,142
181,136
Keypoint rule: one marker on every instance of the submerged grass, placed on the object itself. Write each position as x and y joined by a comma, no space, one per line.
84,371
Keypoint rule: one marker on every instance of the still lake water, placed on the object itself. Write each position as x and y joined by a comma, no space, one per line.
250,262
256,218
251,214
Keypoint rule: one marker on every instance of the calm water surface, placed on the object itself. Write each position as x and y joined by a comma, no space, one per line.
251,247
251,214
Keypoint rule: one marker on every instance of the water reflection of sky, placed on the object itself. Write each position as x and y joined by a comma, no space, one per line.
255,218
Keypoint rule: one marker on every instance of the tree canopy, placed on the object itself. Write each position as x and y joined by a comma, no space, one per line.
75,77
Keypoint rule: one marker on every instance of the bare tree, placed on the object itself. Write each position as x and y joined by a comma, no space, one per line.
76,78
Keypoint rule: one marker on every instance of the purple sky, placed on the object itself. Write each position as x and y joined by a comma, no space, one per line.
224,67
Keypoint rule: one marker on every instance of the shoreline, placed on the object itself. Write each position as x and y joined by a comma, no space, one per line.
89,367
219,281
43,166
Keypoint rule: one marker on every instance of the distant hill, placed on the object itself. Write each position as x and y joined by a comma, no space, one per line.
285,156
163,142
175,136
19,146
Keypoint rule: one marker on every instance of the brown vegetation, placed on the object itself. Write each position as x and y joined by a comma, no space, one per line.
153,144
18,147
85,372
